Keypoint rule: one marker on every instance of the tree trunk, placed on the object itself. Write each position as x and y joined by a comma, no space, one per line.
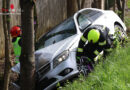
82,4
119,5
78,4
102,4
98,4
27,62
123,9
71,7
6,27
107,5
114,6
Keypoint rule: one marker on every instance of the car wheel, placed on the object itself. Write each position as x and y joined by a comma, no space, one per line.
120,33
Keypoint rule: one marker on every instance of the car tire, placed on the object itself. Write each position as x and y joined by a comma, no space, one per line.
120,33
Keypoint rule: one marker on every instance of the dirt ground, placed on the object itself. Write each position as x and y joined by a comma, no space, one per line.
13,76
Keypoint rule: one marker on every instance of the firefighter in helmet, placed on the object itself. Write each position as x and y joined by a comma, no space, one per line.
16,40
94,40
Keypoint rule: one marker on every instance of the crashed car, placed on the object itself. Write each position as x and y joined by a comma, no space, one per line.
56,50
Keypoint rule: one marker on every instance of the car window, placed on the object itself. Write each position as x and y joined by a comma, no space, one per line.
83,22
86,17
61,32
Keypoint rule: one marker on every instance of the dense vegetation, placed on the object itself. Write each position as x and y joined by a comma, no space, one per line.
113,73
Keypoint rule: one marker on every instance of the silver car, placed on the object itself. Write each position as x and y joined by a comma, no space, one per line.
56,50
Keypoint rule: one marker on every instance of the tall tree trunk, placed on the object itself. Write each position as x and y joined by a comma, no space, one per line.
114,6
98,4
119,5
102,4
27,61
107,4
123,9
82,4
6,27
78,4
71,7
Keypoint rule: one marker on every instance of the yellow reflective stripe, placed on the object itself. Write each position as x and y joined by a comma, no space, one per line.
83,38
80,49
96,52
102,43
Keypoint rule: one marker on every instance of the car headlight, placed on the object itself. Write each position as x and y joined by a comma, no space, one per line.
60,58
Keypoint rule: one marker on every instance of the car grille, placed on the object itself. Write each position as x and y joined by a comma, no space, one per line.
44,69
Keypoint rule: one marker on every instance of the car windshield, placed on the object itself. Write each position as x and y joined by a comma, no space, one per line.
86,17
61,32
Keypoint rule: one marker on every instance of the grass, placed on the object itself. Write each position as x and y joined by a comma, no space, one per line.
110,74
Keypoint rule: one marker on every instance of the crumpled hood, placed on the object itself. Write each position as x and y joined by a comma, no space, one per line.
43,56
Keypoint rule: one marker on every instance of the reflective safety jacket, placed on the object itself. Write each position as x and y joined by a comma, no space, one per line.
17,48
91,50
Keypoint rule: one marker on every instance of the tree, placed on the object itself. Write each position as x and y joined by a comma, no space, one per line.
27,62
102,2
80,4
114,6
6,27
98,4
71,7
106,4
119,5
121,8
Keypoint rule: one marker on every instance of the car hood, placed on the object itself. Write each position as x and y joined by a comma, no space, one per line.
47,54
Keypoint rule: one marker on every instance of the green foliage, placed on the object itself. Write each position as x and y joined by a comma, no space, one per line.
128,3
127,21
113,73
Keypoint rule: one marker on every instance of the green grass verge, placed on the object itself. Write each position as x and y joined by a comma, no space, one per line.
110,74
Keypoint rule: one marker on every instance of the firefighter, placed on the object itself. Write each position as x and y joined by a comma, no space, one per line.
16,40
94,40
